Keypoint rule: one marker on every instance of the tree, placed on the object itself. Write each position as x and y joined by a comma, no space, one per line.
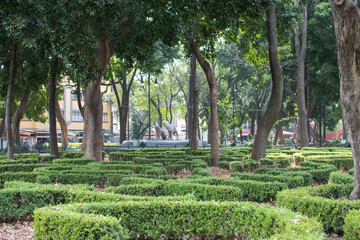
271,114
302,132
346,15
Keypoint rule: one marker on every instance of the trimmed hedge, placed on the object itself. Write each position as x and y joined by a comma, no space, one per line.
291,181
341,178
19,199
352,227
327,203
175,220
74,161
252,190
201,192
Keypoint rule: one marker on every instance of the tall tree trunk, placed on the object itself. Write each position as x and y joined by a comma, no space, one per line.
278,127
271,114
303,137
252,126
85,130
18,116
54,149
10,88
93,101
192,79
195,114
346,15
210,77
63,125
209,130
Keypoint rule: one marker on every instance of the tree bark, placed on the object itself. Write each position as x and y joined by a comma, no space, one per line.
302,136
346,15
192,79
18,116
271,114
93,101
210,77
195,114
54,149
85,130
10,88
63,125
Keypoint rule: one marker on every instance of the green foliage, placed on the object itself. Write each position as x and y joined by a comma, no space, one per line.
200,191
290,180
19,199
252,190
351,227
244,166
341,178
327,203
76,226
186,219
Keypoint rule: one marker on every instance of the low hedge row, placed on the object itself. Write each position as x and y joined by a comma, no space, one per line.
289,180
341,163
252,190
327,203
173,220
352,227
341,178
74,161
320,172
19,199
170,188
19,176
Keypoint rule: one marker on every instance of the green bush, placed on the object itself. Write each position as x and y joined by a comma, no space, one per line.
244,166
291,181
19,161
19,199
74,161
18,167
224,165
352,227
19,176
265,161
202,172
327,203
173,188
43,179
283,162
180,220
76,226
341,178
252,190
298,157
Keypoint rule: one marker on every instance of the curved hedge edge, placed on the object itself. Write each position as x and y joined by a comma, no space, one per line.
352,227
62,225
17,203
317,202
164,220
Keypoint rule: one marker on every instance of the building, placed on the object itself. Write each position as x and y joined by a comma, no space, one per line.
36,131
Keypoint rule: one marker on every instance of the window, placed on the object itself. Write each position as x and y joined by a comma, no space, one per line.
105,117
76,116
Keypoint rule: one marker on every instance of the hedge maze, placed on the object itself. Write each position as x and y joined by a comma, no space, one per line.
137,194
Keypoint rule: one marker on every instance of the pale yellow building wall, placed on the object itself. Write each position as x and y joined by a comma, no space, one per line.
68,106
